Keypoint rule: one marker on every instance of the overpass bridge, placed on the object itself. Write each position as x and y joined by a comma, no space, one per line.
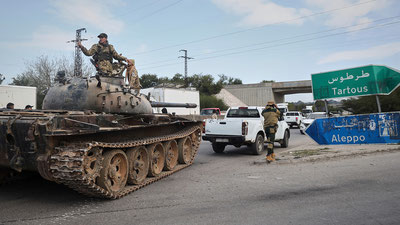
259,94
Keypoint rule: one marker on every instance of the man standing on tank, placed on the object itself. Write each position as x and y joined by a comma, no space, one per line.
103,53
271,116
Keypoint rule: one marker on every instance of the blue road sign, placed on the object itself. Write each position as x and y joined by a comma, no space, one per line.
359,129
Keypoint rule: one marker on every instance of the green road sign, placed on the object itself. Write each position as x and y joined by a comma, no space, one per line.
359,81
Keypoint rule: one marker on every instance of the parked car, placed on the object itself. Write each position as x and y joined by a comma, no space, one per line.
293,118
210,111
310,118
242,126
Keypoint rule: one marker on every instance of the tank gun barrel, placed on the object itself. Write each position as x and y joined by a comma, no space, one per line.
169,104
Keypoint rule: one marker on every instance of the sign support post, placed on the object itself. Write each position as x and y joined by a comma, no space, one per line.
378,103
326,106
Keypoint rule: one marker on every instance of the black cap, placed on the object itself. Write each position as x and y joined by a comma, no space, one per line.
102,35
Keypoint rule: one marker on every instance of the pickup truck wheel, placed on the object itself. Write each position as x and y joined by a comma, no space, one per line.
258,146
285,141
218,147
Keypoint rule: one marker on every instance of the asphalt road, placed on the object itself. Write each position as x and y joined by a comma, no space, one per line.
227,189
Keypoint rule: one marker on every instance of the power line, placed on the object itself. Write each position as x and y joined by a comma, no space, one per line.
138,8
130,12
278,40
255,28
283,44
302,35
341,45
157,11
294,42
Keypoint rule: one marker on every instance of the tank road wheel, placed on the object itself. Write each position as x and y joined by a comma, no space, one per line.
92,163
185,150
171,155
157,159
196,137
114,174
138,165
3,175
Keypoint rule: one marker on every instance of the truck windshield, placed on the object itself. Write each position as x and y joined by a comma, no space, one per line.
247,113
282,110
208,111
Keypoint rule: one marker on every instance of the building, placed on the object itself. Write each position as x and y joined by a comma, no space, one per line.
175,95
19,95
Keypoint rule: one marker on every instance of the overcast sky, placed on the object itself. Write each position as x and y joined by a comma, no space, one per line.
254,40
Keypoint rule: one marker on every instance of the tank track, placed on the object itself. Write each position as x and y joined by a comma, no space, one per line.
5,176
67,164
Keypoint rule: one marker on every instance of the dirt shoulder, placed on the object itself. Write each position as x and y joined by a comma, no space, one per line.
314,152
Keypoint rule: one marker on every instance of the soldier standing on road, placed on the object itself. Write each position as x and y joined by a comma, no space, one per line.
103,54
271,115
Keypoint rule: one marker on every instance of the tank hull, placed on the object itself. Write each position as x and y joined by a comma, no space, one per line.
98,136
56,144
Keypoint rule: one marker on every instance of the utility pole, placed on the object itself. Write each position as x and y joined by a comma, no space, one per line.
78,56
186,59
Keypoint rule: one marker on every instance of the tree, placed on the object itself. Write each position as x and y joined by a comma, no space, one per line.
267,81
205,84
179,79
319,106
40,73
298,106
225,80
209,101
1,78
148,80
367,104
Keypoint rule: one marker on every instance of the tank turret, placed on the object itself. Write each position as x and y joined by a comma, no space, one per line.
111,95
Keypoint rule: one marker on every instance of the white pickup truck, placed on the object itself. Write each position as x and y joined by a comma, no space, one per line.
242,126
293,118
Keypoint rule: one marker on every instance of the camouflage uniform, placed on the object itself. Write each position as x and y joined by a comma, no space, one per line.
132,75
271,116
103,55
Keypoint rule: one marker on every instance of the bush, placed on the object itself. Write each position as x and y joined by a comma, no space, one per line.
209,101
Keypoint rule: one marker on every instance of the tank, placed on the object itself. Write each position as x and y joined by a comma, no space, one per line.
98,136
